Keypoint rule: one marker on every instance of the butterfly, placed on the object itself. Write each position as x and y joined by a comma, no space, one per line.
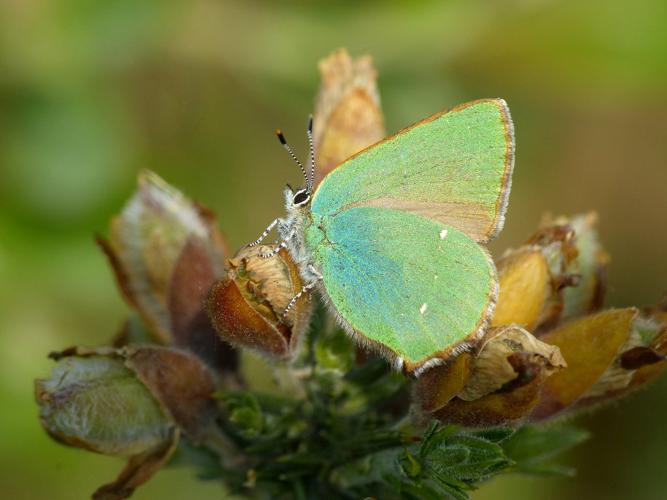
393,238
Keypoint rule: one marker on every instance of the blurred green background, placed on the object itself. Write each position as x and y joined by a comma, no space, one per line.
92,91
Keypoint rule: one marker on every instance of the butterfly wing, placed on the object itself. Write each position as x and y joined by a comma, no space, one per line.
454,168
412,286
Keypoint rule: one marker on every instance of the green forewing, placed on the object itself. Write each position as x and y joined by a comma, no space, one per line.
454,168
414,285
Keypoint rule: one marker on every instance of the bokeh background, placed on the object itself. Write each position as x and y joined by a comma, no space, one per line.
92,91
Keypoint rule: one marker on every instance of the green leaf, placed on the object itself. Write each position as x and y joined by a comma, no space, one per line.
244,413
495,435
410,465
434,437
531,447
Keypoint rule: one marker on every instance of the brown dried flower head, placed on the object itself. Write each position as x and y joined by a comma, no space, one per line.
248,306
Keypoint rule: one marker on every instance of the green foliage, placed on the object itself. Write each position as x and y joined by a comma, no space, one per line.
345,436
532,448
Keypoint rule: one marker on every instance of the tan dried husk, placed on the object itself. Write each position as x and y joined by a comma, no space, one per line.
348,115
493,370
166,252
146,242
505,379
532,279
247,306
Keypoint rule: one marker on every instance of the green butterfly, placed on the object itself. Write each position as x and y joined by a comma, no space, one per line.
392,238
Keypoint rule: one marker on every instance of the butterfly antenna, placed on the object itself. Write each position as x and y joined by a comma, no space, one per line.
312,153
283,141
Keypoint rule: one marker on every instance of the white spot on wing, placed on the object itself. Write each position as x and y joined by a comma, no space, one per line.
443,234
423,308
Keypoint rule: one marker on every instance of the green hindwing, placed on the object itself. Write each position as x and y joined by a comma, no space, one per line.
454,167
397,229
413,287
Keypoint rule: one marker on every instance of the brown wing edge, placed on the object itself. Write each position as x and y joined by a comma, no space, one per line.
510,152
503,198
416,368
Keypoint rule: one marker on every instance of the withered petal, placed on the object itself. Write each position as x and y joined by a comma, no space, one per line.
590,345
640,360
194,274
180,381
439,384
238,322
639,357
525,288
496,409
589,265
146,242
503,357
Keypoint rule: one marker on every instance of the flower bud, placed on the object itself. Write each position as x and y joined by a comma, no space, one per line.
132,402
99,404
247,306
348,117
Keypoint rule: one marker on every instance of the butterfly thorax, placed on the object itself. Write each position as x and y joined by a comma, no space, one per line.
294,229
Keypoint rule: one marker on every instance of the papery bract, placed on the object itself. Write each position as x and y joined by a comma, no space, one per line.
348,116
167,252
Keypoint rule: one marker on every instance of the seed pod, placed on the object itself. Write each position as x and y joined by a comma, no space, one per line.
247,307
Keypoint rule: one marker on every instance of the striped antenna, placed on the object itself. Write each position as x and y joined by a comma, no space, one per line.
312,153
283,141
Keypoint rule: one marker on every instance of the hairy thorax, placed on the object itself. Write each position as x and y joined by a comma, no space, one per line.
302,233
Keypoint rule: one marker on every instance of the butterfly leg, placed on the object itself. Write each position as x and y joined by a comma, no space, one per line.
264,234
278,248
307,288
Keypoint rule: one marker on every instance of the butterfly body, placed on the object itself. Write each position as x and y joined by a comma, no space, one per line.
392,237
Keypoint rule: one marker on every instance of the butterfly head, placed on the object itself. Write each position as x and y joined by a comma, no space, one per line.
301,197
297,199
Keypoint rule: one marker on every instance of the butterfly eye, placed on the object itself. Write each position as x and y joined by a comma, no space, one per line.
301,197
